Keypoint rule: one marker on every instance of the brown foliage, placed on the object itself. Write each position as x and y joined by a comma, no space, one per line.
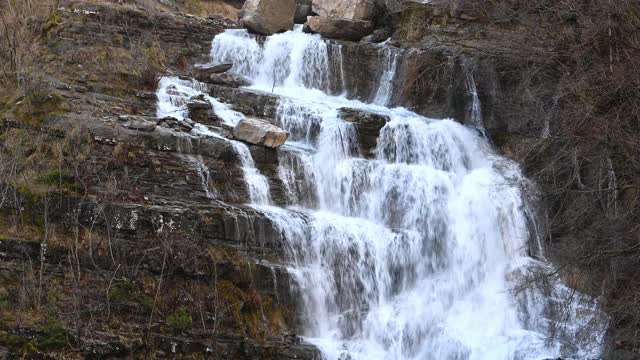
587,158
21,26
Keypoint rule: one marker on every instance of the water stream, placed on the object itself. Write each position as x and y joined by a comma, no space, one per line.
412,254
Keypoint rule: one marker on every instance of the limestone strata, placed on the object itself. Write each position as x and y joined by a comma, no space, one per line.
248,102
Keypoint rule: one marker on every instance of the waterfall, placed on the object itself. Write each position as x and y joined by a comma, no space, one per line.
174,94
385,87
256,182
413,254
475,112
205,175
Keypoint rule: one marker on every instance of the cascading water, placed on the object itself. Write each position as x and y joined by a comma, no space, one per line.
385,87
174,94
412,254
475,112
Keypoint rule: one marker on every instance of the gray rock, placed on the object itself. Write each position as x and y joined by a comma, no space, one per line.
345,9
248,102
342,29
363,118
227,79
185,125
303,9
368,125
259,132
268,16
199,110
202,73
222,131
168,121
218,68
138,123
378,36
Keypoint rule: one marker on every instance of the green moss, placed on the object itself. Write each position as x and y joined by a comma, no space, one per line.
53,336
251,314
126,293
501,138
56,177
180,321
54,20
34,109
17,343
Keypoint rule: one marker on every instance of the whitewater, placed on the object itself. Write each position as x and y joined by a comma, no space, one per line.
415,252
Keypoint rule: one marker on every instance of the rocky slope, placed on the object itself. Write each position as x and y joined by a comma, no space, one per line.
132,241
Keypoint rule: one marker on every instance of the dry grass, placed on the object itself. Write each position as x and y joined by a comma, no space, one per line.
205,8
21,26
201,8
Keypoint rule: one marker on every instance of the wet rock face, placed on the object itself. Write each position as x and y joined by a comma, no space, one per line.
335,28
368,125
303,9
248,102
199,110
226,79
268,16
362,64
259,132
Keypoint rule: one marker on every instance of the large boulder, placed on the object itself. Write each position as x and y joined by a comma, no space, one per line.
345,9
336,28
268,16
259,132
202,72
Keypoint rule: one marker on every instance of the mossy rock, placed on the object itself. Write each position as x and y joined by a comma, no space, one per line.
34,109
126,293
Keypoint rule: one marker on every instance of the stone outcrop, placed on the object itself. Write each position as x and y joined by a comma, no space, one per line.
268,16
137,123
345,9
199,110
259,132
228,79
248,102
337,28
303,9
368,124
202,73
378,35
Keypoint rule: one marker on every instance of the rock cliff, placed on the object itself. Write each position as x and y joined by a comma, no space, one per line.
126,235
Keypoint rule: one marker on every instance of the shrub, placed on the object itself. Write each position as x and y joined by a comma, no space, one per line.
180,321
